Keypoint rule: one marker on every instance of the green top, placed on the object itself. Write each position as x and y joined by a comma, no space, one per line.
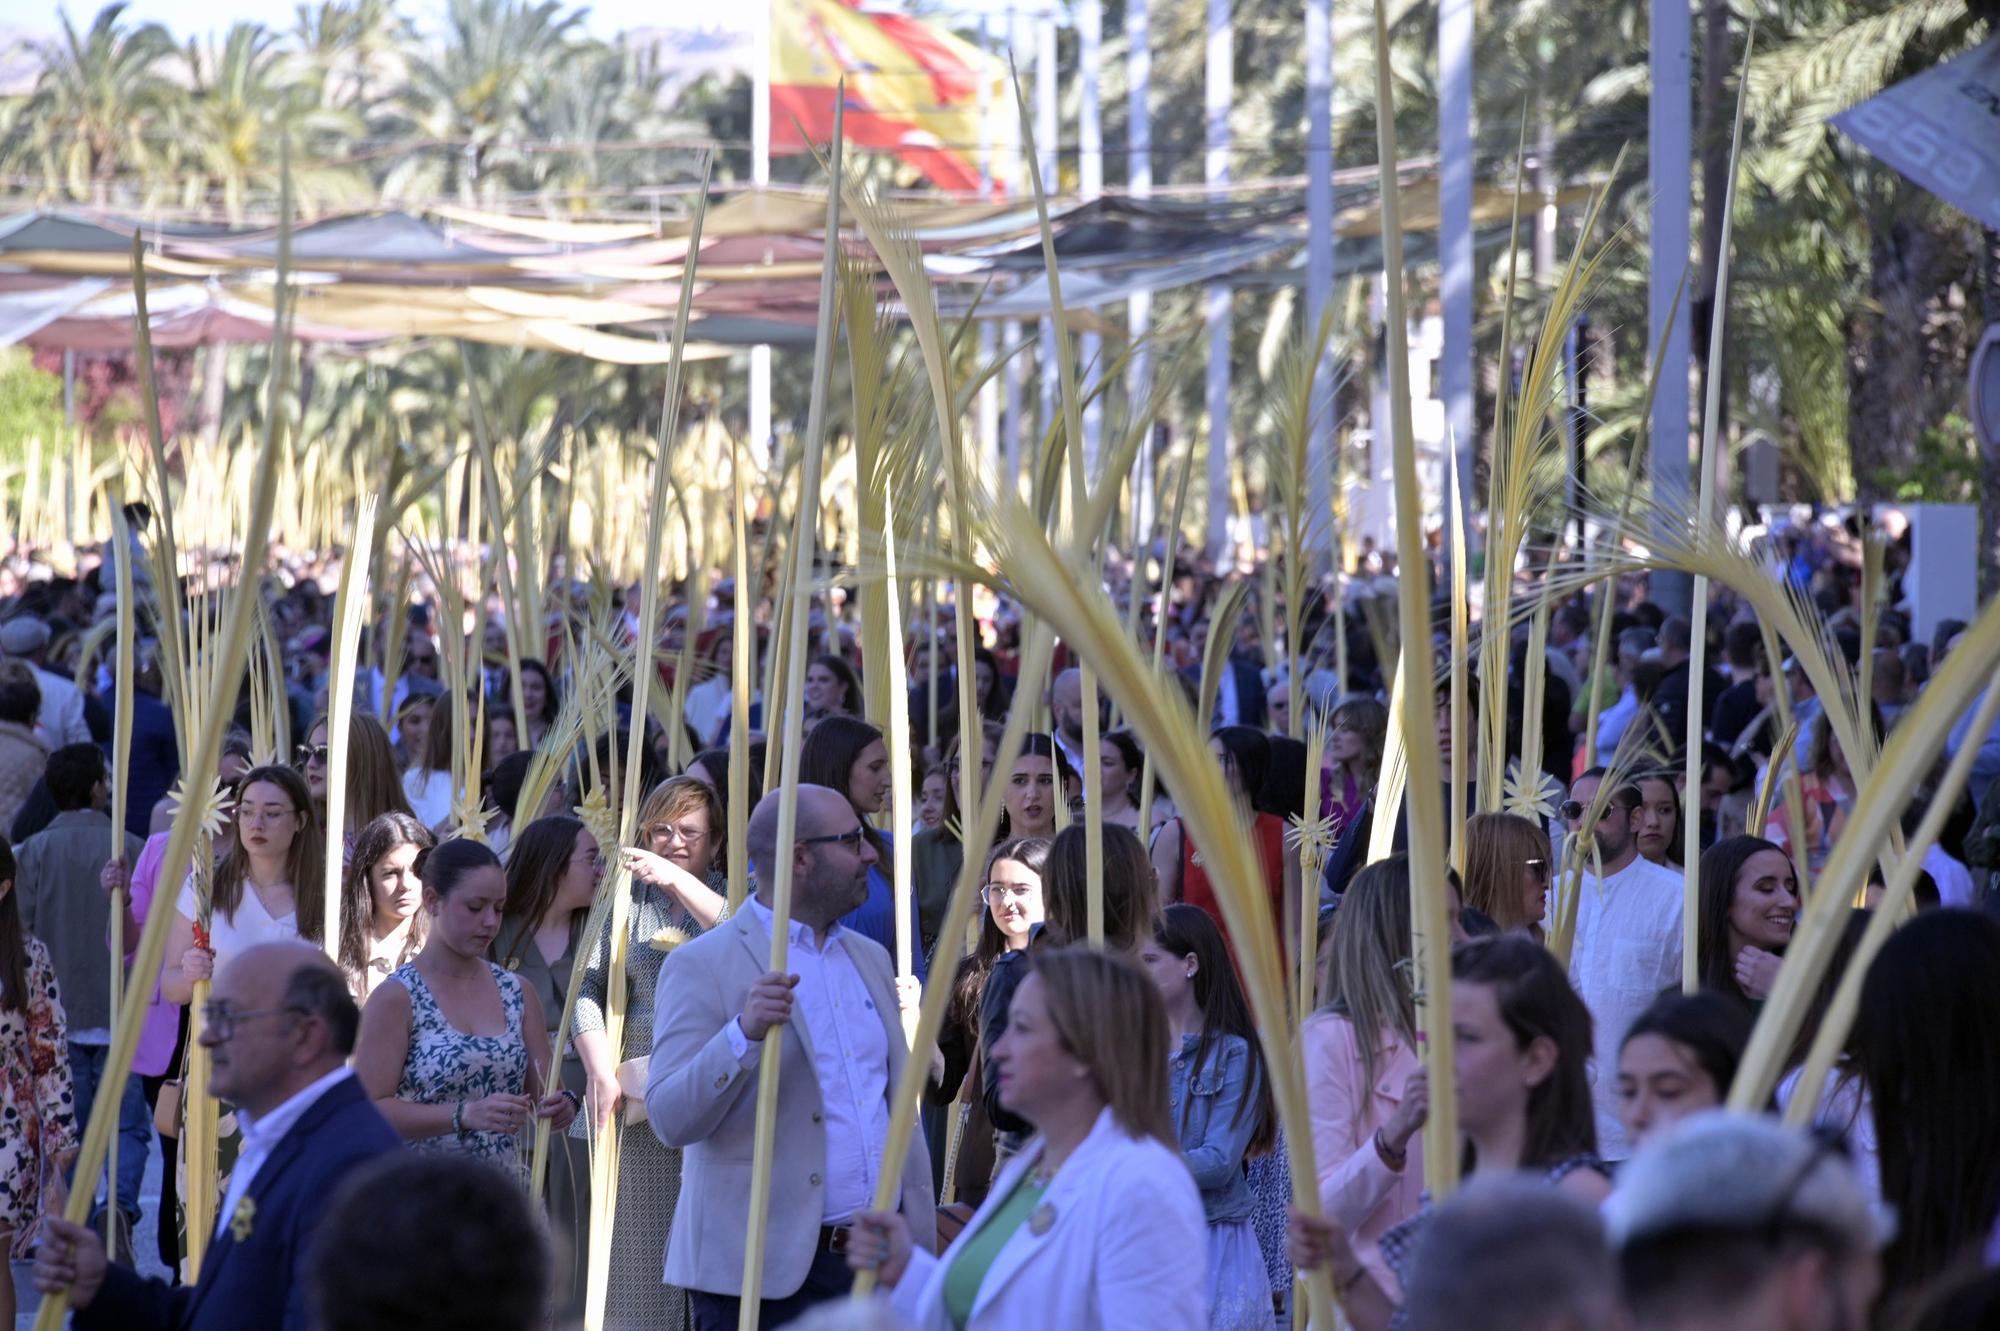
975,1259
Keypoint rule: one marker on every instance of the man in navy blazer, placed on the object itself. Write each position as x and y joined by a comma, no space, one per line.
280,1025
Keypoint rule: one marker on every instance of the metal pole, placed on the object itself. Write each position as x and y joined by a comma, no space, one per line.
760,176
1220,91
1319,260
989,392
1139,181
1090,176
1455,230
1669,156
1046,371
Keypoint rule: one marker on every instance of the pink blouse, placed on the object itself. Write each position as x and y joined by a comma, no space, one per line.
161,1028
1358,1191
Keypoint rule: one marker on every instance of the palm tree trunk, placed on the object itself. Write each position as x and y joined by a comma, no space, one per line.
1887,367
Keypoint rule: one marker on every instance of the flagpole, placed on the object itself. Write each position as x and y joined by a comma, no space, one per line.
1090,172
989,392
1014,381
1220,89
1671,191
1319,262
760,176
1455,19
1139,182
1046,370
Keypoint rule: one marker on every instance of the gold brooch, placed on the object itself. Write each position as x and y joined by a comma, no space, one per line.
245,1217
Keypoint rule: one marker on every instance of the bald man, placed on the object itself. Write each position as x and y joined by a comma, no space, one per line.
280,1025
834,1011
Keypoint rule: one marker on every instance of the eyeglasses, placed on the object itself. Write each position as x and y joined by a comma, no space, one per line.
428,660
311,753
1571,810
1540,866
224,1021
264,813
1007,892
852,838
687,836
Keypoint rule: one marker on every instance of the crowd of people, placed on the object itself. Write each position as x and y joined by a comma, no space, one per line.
1100,1143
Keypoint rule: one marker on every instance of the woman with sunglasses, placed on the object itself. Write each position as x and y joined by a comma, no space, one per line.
1507,871
679,889
374,781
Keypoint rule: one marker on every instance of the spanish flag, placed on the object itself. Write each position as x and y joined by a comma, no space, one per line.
912,87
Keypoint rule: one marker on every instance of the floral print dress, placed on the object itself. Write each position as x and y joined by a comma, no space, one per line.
37,1105
445,1065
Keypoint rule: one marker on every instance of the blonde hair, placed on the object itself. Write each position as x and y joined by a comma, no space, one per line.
1366,974
678,796
1109,1016
1497,847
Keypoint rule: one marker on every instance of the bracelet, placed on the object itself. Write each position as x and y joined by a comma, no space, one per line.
458,1118
1392,1158
575,1100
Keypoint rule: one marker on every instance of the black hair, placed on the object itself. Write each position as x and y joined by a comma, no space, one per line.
20,694
827,759
1182,930
1249,751
1533,993
1720,865
504,782
1923,1042
446,866
551,696
851,700
1710,1027
72,774
441,1242
1285,778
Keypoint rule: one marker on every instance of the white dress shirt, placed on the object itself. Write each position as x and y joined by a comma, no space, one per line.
261,1134
850,1053
1627,951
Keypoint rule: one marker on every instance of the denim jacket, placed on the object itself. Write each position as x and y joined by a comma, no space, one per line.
1213,1137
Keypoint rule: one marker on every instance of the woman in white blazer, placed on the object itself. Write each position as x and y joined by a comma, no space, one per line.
1096,1222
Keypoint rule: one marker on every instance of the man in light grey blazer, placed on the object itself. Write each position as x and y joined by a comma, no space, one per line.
842,1055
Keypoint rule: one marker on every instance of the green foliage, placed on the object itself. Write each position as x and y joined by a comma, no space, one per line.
30,404
1947,469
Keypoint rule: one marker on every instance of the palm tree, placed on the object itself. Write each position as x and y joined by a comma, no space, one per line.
245,96
474,93
90,122
1905,360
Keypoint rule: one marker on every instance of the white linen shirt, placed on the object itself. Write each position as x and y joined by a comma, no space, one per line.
850,1053
261,1134
1627,951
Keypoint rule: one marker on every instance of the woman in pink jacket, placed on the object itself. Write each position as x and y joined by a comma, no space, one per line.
1364,1080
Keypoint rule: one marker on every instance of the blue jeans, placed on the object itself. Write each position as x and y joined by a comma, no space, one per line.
135,1124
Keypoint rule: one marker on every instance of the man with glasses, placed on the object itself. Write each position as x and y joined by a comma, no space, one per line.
279,1027
1730,1222
843,1049
1628,934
